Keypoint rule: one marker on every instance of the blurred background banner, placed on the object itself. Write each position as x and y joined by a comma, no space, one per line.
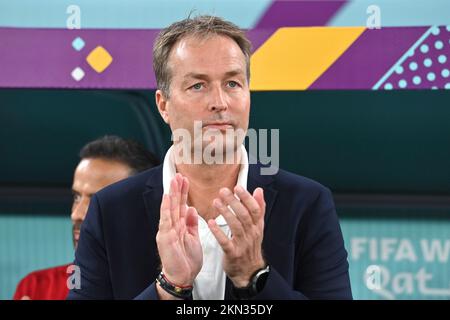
358,89
291,58
396,258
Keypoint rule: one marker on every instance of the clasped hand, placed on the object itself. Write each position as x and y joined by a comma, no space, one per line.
178,239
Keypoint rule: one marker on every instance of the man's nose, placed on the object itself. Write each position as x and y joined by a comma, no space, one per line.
218,101
79,211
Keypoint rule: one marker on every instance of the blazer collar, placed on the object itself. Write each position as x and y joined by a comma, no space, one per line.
152,199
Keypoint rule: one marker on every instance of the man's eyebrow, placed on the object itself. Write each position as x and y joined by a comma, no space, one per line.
196,75
203,76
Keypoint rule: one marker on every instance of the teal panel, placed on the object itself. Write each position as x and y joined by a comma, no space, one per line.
351,141
29,243
126,14
362,141
400,246
410,255
395,13
160,13
42,131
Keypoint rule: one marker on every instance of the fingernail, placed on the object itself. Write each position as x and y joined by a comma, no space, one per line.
239,189
217,203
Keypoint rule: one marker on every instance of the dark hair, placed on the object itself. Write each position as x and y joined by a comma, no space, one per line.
128,152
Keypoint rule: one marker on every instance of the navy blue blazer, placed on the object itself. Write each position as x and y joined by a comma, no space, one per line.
118,257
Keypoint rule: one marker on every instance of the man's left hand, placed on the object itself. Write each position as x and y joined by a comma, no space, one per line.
243,252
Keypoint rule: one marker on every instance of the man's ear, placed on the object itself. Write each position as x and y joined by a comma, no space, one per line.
161,103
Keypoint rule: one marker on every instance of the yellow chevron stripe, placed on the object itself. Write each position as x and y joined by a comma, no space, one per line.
293,58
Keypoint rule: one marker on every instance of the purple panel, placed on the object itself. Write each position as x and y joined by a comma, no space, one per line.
427,67
259,36
294,13
45,58
369,58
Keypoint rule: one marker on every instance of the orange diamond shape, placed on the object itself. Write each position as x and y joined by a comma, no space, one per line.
99,59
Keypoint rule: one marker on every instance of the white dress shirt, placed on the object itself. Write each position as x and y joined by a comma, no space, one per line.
210,282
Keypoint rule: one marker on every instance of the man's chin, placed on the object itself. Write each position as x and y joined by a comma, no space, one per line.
75,239
220,154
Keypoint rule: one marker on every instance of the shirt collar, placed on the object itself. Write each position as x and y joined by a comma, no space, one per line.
169,172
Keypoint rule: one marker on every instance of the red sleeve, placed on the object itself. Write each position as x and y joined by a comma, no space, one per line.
48,284
26,287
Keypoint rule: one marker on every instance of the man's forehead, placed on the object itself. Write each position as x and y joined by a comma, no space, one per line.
98,172
206,49
190,59
196,41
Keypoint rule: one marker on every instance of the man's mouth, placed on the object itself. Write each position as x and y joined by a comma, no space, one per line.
218,125
76,235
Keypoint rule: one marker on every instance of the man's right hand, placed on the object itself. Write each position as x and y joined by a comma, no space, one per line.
178,241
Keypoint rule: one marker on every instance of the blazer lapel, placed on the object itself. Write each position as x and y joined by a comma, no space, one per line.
152,199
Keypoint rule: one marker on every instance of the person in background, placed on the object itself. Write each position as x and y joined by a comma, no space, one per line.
103,162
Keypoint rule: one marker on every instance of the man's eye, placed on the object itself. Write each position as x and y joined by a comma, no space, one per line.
76,198
232,84
197,86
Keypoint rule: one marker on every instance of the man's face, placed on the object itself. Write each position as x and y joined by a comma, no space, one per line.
92,175
209,84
